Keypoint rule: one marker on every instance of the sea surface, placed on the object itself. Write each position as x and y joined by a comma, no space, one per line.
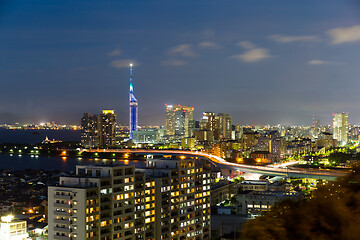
21,162
36,136
50,163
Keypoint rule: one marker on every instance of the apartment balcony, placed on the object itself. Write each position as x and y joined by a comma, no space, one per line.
62,205
58,237
65,214
62,197
62,221
64,230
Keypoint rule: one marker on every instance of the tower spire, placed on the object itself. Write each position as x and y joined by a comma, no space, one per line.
131,90
133,113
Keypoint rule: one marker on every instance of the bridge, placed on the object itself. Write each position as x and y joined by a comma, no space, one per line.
330,175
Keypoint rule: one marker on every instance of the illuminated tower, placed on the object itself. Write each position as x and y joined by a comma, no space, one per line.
133,114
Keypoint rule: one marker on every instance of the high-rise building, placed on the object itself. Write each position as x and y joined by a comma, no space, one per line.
179,120
165,200
108,128
340,127
98,131
225,127
133,112
91,130
210,122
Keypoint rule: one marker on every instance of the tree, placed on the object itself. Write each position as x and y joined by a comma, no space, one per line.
332,213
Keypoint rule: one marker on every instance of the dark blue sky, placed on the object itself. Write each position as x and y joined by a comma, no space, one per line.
260,61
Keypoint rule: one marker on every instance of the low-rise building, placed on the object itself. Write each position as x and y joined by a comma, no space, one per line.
257,202
221,191
263,185
12,229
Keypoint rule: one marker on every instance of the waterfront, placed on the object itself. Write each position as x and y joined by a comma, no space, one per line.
24,136
50,163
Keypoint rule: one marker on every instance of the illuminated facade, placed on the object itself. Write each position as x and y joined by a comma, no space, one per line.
179,120
12,229
108,128
133,112
90,131
146,135
210,122
224,124
98,131
340,127
165,200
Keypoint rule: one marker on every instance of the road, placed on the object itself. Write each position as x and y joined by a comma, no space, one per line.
222,163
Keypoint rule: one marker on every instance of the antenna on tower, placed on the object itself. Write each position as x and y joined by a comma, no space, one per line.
131,71
131,86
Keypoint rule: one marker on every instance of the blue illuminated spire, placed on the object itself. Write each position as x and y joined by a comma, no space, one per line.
133,114
131,85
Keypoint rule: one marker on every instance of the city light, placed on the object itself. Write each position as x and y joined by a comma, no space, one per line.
7,218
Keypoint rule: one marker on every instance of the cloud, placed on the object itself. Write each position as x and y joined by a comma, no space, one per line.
208,44
246,44
344,35
123,63
174,62
288,39
321,62
116,52
253,55
184,50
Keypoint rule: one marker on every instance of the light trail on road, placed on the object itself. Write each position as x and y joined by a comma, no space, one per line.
220,162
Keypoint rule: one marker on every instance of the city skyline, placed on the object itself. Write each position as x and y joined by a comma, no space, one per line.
216,57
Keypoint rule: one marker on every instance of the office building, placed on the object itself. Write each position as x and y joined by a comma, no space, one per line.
224,124
340,127
133,111
169,199
188,143
275,149
179,121
210,122
146,135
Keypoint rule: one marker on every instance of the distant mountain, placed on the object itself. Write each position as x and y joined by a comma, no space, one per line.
10,118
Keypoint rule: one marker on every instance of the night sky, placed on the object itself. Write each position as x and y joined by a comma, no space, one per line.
263,62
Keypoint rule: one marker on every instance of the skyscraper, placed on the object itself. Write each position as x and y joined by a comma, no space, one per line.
340,127
90,131
179,120
108,128
209,122
98,131
133,114
225,128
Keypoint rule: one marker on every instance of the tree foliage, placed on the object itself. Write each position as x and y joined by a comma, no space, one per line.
333,212
339,157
